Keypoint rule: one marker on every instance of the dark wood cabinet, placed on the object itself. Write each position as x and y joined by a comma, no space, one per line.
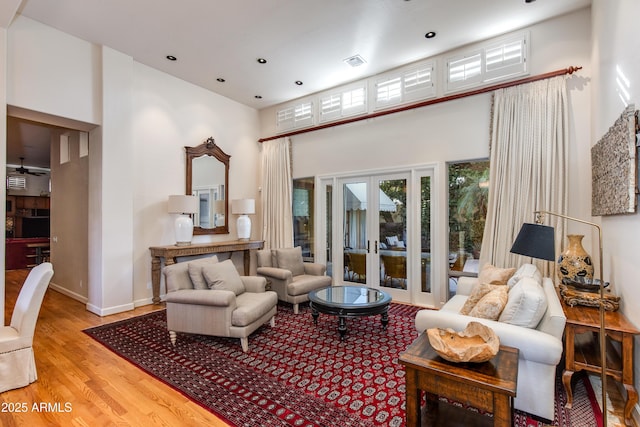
32,202
27,216
25,253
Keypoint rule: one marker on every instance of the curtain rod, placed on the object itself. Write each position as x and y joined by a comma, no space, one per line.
548,75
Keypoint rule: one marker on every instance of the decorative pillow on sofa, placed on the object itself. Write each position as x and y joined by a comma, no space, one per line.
491,305
176,276
495,275
525,270
264,258
291,259
526,305
195,271
478,291
223,275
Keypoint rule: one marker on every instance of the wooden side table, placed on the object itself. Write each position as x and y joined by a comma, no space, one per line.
582,351
489,386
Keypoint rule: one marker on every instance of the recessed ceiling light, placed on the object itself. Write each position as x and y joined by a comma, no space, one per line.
261,61
258,97
171,58
299,82
430,34
221,80
355,61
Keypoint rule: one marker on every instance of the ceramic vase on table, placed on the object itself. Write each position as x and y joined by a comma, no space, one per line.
575,262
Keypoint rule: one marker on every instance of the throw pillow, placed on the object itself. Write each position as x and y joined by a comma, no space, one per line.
495,275
264,258
491,305
477,293
525,270
291,259
526,305
223,275
392,240
176,277
195,271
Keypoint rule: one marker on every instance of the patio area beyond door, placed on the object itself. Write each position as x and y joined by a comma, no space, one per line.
373,229
376,230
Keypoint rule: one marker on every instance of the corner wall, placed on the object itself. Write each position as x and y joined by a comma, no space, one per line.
141,120
616,81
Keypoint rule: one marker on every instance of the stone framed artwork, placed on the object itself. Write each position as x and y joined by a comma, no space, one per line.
614,167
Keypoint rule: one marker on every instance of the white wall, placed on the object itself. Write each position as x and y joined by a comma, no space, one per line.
457,130
615,52
53,72
136,153
168,115
3,152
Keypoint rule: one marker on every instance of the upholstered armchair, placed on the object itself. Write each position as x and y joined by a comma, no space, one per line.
290,277
17,360
211,298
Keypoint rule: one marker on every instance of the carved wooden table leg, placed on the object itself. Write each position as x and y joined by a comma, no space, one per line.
155,279
566,382
569,348
247,262
627,377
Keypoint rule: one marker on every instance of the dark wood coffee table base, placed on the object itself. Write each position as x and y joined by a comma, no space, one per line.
343,313
489,386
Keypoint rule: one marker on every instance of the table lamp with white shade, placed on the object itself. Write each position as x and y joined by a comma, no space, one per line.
243,207
184,206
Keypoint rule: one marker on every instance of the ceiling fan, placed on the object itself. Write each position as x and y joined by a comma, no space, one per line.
22,170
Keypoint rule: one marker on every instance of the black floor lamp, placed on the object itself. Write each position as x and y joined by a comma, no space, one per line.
538,241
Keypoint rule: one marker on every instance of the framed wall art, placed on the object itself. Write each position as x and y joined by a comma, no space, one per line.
614,167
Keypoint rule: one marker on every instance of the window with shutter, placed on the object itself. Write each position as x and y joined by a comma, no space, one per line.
16,182
404,85
346,102
500,60
296,116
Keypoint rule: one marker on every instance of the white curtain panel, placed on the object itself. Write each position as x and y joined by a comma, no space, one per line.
529,144
277,216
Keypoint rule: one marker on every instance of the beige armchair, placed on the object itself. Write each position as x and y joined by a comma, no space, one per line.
210,298
290,277
17,360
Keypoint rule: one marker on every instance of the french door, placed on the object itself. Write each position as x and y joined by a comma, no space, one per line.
376,231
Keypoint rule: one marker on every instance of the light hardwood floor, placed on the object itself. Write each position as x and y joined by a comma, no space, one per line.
80,383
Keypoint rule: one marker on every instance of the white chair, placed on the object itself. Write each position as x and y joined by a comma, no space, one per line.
17,361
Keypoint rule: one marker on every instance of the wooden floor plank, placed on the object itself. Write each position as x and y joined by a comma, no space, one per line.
77,373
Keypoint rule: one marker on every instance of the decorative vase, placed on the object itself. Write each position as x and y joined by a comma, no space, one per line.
575,261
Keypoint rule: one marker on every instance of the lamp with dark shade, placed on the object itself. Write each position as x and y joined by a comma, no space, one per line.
538,241
535,241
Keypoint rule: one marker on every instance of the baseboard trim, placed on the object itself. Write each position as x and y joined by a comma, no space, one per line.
109,310
67,292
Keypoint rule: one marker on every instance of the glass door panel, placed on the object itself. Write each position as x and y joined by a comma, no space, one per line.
392,232
425,234
354,226
328,224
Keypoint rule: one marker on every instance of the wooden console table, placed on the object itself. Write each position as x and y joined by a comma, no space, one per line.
489,386
582,351
171,252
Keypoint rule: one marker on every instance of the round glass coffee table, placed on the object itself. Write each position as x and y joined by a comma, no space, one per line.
349,301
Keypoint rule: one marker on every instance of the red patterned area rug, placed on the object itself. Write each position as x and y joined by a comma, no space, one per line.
296,374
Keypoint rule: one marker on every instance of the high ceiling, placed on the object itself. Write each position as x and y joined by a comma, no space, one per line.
302,40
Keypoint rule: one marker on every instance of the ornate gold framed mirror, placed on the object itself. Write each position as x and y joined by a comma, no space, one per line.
208,179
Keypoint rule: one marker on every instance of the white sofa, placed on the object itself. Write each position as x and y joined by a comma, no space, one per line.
540,347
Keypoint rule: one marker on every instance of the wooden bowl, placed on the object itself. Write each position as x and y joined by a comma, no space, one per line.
477,343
